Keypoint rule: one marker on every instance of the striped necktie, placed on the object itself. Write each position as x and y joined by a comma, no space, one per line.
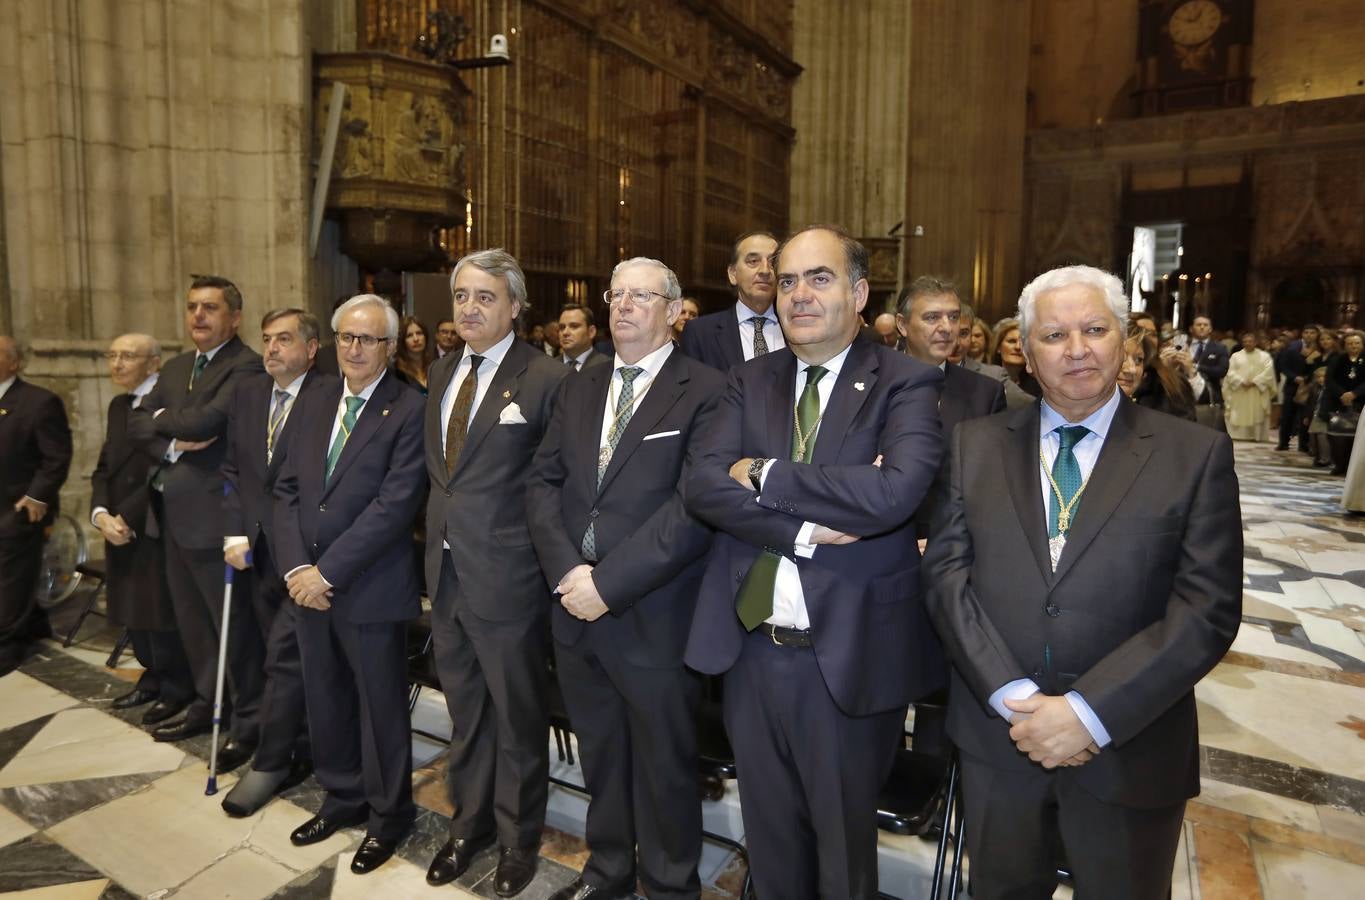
625,408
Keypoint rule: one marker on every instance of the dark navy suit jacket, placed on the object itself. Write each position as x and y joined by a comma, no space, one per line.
357,528
713,339
871,635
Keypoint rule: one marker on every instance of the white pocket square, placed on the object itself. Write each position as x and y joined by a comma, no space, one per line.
661,434
511,415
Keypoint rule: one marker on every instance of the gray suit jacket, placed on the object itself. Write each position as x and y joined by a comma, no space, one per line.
480,510
1145,601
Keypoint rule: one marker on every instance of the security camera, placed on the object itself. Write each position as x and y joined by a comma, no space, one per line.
497,46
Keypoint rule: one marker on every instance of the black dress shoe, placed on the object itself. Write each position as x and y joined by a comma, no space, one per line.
373,853
516,868
162,710
233,753
581,890
135,697
318,829
454,858
179,731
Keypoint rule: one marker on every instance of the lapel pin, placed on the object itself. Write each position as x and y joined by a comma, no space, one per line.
386,412
506,395
857,385
3,411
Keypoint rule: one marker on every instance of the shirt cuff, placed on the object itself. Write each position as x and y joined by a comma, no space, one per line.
236,540
1017,689
763,475
1088,718
803,547
290,574
94,513
172,454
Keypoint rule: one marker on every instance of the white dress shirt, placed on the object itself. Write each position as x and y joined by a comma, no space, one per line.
789,599
293,391
5,385
137,393
651,363
1087,452
772,329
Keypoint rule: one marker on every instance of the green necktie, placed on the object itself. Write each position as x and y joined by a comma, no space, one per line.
754,601
200,363
1066,472
348,418
625,408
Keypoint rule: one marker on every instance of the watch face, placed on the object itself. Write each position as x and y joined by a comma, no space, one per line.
1194,22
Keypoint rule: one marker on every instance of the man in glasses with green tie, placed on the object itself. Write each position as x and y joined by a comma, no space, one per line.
1085,573
816,459
183,421
345,500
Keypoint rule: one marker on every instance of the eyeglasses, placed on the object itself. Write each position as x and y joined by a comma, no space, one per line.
368,341
124,356
638,297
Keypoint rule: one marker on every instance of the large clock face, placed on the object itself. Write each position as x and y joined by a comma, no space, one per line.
1194,22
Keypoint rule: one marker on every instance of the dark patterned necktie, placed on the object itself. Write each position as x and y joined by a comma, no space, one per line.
201,362
625,408
1066,472
280,409
760,342
754,600
457,429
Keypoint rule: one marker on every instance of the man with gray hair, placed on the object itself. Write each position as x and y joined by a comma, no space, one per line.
1079,625
35,455
346,497
625,560
488,408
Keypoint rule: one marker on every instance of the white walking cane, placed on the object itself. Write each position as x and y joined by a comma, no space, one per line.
212,787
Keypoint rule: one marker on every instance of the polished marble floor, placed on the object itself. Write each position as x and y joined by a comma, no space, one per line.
91,807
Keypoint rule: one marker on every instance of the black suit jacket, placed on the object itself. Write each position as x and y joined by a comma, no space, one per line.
872,638
966,395
248,505
135,572
193,484
481,508
357,527
713,339
650,550
35,454
1144,602
1213,365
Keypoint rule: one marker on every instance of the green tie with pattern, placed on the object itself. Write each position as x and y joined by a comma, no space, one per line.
1066,476
200,363
754,601
348,418
625,408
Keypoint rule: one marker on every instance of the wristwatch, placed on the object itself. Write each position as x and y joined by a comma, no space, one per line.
756,473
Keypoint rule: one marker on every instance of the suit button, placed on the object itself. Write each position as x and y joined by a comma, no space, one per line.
449,492
315,546
593,514
322,507
1052,610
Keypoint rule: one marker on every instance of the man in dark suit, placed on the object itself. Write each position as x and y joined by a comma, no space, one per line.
35,455
134,560
626,559
749,328
927,315
183,421
577,331
1210,360
1078,623
345,501
486,414
815,460
258,437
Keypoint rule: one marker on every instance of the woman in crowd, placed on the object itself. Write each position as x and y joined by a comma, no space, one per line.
1150,381
1345,392
978,341
1247,391
1008,353
415,354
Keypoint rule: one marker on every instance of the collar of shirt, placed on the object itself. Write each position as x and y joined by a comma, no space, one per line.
365,393
144,389
292,389
578,361
651,362
1098,422
5,385
210,353
825,386
744,314
493,354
